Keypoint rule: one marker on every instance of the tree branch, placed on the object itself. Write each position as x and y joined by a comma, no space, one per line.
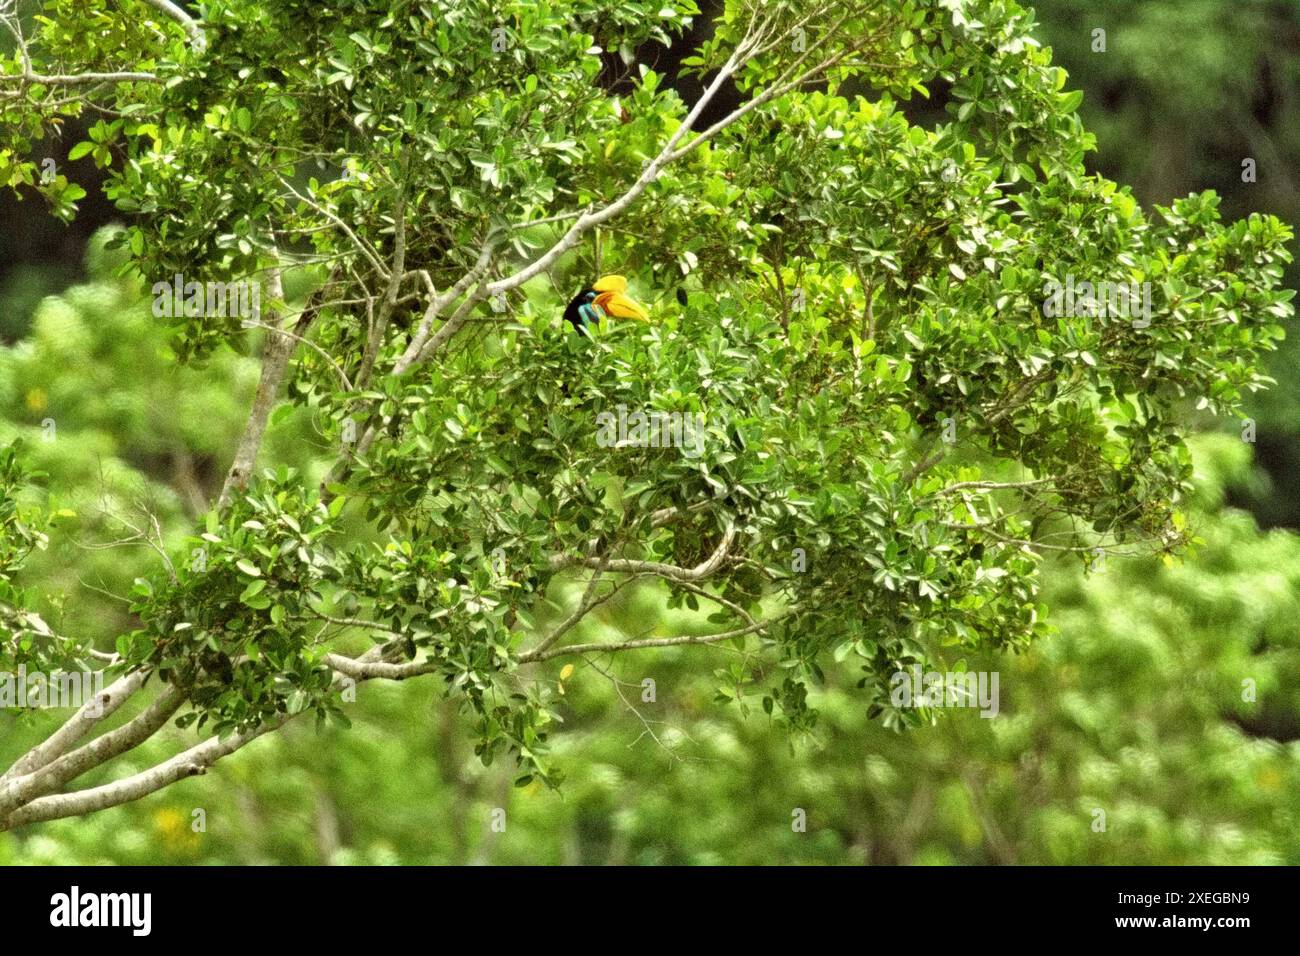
77,726
98,751
276,352
187,22
190,763
671,571
598,647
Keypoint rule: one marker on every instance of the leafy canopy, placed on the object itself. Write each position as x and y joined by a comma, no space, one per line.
895,429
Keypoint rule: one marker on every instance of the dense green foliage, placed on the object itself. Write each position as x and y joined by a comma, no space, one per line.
1130,706
1185,93
861,326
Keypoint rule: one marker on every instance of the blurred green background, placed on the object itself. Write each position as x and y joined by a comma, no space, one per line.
1134,706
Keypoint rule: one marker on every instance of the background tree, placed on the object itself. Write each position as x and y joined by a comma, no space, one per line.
919,316
1133,706
1183,95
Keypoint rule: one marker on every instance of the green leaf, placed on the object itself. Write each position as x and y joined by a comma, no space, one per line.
1069,102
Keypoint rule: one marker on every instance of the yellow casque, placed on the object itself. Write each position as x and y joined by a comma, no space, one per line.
613,301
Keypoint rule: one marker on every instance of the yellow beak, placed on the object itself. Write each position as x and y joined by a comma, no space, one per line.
615,303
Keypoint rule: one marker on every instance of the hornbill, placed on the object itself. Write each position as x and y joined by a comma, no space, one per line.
606,297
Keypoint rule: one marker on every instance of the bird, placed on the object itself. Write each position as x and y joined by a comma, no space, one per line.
606,296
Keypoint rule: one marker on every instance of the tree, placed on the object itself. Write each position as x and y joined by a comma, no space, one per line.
1128,707
1176,106
884,407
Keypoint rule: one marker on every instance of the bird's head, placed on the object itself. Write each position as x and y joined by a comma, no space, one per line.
606,297
611,296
